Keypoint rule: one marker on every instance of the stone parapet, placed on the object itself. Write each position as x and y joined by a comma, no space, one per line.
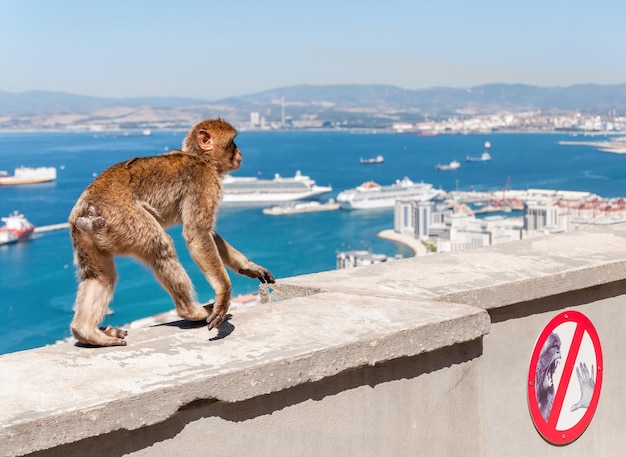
427,353
489,277
63,393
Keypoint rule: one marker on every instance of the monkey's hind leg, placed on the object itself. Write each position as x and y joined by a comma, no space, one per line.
92,300
158,252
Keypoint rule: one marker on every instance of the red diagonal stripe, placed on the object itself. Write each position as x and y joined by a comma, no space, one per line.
566,377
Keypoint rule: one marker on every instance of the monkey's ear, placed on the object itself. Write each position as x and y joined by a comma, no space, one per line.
205,140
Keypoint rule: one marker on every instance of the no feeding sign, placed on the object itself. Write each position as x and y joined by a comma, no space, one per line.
565,377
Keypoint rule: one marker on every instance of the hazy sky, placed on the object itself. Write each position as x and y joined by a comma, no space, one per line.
210,49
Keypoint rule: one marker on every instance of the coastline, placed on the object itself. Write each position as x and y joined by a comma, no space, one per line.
412,243
612,147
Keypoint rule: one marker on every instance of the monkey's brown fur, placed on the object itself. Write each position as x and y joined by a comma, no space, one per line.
124,212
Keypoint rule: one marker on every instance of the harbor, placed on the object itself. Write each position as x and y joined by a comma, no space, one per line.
39,273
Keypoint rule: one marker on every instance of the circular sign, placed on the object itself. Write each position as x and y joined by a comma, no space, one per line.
565,377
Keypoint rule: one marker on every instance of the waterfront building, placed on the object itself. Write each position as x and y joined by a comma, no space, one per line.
453,228
414,218
545,215
357,258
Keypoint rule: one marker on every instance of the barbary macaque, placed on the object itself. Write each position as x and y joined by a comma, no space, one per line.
125,210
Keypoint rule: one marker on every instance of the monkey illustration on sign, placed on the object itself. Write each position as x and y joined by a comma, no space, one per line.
549,360
547,364
125,211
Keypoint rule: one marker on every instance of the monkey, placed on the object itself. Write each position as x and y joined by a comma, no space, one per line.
549,359
124,212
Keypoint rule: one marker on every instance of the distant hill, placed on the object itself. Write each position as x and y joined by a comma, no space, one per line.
374,105
41,101
585,97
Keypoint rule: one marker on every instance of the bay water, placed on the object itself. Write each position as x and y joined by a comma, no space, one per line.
37,279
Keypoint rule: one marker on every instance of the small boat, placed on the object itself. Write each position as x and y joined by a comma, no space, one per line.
485,156
451,166
16,227
304,207
25,175
377,159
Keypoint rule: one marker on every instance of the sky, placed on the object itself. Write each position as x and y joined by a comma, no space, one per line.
215,49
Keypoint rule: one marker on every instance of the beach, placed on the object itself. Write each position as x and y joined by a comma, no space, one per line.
415,245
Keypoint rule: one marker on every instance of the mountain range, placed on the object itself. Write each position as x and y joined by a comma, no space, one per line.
374,105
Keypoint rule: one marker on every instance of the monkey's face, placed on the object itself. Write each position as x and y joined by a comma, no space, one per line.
233,157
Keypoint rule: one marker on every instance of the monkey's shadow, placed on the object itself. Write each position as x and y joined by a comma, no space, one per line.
223,330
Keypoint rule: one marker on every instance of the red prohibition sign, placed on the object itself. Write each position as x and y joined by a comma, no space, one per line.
565,377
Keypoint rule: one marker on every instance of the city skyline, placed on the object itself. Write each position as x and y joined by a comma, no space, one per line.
189,49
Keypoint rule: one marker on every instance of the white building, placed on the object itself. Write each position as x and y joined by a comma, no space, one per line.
255,119
413,218
545,216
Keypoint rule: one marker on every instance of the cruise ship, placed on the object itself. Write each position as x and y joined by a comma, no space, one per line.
371,195
278,189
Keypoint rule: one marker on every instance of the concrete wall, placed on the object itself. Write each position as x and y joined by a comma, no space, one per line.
423,356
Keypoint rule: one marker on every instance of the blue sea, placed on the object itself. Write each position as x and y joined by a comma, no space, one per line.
37,280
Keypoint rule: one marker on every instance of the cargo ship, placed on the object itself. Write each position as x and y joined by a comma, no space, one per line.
16,227
26,175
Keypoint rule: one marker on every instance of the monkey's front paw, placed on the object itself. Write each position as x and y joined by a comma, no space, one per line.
256,271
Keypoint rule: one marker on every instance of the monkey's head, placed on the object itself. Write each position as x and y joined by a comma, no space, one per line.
549,359
214,141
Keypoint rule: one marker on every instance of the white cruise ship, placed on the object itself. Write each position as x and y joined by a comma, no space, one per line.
279,189
371,195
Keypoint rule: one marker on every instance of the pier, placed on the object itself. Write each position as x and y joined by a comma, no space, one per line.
51,228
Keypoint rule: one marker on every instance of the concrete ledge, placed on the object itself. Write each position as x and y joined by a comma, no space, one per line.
490,277
74,393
